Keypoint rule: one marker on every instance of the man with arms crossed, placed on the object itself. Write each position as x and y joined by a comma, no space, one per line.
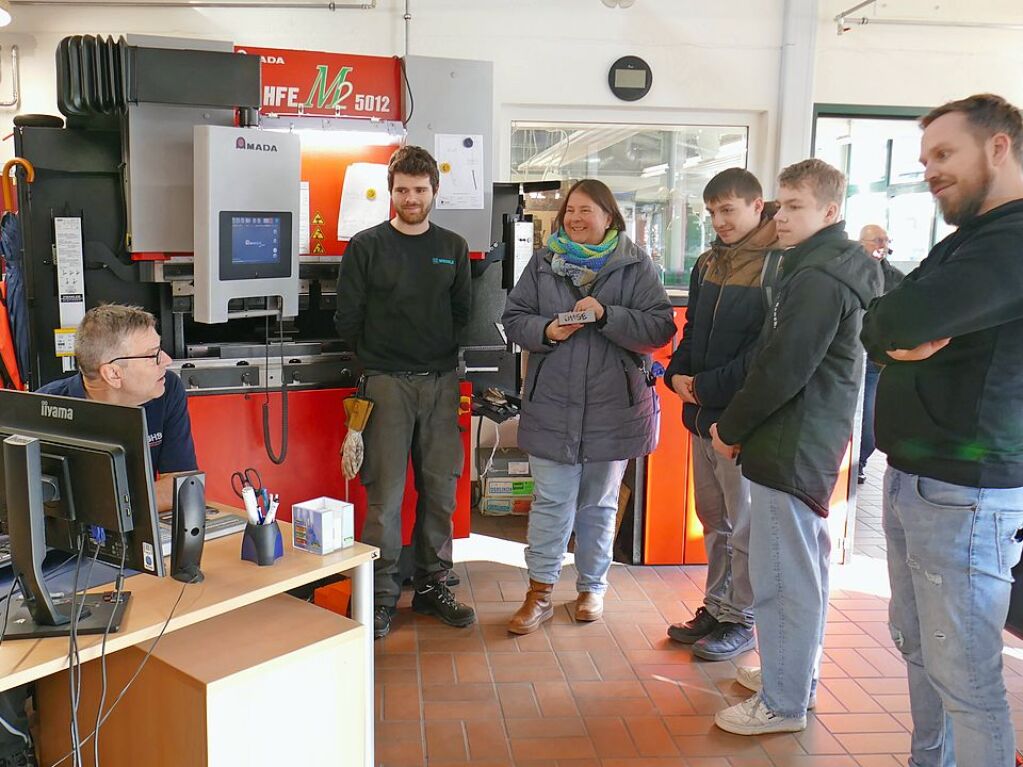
950,419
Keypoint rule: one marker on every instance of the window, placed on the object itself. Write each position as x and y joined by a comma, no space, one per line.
656,172
886,181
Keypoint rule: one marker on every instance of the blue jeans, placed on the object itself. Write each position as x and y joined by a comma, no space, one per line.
950,552
789,555
582,497
872,372
723,506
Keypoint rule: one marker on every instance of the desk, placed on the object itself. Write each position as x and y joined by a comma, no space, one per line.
230,584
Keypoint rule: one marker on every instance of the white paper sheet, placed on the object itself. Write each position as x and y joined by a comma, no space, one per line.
303,219
460,158
364,199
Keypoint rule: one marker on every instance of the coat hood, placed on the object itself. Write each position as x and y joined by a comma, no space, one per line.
831,251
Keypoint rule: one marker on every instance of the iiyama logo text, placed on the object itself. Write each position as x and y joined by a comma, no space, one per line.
241,143
64,413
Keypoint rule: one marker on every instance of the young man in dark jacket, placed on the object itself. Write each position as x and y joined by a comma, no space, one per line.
790,424
724,316
403,295
950,418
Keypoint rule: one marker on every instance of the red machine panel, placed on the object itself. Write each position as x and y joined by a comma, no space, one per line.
228,432
328,84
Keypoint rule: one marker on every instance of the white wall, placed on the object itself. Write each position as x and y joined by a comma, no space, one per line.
919,65
711,61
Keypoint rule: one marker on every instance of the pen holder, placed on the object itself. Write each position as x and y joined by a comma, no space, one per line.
262,544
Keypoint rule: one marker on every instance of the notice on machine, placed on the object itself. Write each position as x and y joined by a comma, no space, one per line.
67,236
460,159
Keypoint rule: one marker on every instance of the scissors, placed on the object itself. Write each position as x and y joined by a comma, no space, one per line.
248,478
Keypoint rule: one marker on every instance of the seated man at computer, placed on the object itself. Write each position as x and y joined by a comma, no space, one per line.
121,362
119,356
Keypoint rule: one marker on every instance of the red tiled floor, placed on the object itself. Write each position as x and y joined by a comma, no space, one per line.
618,693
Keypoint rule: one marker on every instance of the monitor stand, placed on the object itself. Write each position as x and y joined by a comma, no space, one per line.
96,616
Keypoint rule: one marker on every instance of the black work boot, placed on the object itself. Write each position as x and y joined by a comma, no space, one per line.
434,598
695,629
724,642
382,615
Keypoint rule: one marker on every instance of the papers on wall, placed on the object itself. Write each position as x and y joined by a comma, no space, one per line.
364,199
460,159
67,235
303,219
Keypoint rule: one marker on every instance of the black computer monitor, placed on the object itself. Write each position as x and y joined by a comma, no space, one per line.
74,472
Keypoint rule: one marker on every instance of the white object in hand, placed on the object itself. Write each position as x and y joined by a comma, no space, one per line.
577,318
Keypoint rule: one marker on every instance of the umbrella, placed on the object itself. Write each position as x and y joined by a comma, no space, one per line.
14,308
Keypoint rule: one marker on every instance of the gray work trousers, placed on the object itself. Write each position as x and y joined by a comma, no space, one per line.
413,415
723,507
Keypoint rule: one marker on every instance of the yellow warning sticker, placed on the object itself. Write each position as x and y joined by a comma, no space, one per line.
445,167
318,248
317,233
317,219
371,194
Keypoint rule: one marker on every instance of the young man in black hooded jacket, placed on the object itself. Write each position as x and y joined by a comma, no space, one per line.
790,424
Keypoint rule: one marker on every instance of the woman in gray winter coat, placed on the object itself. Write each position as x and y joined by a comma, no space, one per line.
588,404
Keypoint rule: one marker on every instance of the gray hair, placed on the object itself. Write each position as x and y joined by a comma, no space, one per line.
104,331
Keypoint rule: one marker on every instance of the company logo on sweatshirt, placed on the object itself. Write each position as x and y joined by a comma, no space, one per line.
448,261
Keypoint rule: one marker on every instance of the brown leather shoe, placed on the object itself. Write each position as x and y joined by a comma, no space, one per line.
536,609
589,606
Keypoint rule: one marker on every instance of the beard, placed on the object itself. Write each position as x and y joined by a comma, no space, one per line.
415,215
957,212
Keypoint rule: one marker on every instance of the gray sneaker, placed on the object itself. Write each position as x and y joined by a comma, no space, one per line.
724,642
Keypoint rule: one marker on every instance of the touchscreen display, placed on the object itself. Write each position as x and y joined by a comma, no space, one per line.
255,239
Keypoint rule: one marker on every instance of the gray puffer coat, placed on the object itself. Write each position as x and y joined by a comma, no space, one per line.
587,398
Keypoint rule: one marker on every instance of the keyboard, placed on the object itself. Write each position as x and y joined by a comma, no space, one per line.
218,524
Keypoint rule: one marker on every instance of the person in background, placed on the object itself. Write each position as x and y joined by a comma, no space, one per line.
724,316
790,425
874,240
588,404
950,419
403,296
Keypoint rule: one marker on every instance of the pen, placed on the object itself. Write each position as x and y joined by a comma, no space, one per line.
272,512
251,507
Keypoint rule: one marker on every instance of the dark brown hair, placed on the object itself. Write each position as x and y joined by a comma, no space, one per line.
733,182
413,161
987,114
825,182
598,192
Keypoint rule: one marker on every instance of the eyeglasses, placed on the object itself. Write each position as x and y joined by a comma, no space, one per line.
154,357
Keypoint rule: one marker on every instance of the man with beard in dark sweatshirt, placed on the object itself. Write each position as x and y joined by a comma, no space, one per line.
790,425
950,419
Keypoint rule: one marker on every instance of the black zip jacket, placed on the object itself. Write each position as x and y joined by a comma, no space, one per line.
794,415
403,299
724,316
957,416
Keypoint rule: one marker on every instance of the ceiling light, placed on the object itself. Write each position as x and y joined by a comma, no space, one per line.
5,13
618,3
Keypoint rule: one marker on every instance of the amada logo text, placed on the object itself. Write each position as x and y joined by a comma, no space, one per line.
64,413
241,143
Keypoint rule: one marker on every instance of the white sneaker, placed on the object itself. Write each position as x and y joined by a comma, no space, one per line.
752,717
752,678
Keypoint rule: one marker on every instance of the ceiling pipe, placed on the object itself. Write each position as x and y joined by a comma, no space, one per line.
15,79
313,6
845,21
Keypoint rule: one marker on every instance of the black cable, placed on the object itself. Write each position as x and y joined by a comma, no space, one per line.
103,652
74,659
75,749
408,89
277,459
124,690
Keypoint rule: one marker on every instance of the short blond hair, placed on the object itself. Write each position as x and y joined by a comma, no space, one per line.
825,182
103,333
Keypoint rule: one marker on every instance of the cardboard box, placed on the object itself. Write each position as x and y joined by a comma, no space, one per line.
322,525
502,507
508,487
